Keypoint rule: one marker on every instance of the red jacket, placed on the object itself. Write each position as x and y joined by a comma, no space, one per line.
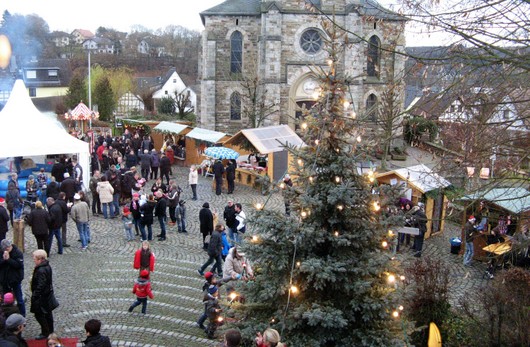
137,257
142,288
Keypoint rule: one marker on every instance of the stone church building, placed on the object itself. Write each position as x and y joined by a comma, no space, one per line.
276,46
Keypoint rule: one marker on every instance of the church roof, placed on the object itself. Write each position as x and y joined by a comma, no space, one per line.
253,8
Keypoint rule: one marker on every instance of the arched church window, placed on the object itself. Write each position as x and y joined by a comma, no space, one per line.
235,106
236,52
311,41
371,107
373,57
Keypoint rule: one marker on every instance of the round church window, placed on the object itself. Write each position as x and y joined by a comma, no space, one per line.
310,41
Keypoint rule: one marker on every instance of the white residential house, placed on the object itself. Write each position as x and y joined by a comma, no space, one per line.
151,46
100,45
173,83
129,104
60,38
81,35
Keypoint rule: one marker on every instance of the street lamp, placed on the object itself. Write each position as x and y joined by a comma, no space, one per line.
89,89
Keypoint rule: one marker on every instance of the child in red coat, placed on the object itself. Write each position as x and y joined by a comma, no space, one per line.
142,289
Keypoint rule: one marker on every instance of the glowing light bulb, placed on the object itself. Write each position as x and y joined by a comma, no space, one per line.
300,162
359,138
371,179
303,214
376,206
346,104
317,142
402,277
384,244
294,289
255,238
330,62
340,207
353,114
336,233
233,296
370,173
311,179
297,264
401,308
391,278
258,206
395,314
304,126
282,185
390,233
316,95
220,319
272,320
337,179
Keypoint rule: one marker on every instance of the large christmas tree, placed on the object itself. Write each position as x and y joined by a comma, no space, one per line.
323,274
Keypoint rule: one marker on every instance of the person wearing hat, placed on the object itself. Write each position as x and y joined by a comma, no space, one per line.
206,223
142,289
15,325
80,214
469,233
211,279
8,305
4,219
213,309
43,300
40,220
12,272
419,221
32,188
68,187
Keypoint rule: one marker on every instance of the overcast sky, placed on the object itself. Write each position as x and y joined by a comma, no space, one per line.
67,15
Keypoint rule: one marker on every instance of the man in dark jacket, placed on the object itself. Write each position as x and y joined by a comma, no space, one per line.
53,189
13,199
68,187
39,220
206,223
4,219
218,170
55,209
231,176
93,185
58,170
214,252
160,213
229,216
94,338
113,176
419,221
165,168
12,272
61,201
15,325
155,164
145,163
43,301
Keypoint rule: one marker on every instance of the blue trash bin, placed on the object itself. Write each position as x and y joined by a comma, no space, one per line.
456,243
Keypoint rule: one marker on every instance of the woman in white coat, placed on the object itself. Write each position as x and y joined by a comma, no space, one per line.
192,180
105,192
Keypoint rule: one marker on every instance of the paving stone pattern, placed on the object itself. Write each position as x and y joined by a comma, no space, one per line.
97,283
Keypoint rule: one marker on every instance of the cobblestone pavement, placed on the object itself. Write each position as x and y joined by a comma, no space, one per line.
97,283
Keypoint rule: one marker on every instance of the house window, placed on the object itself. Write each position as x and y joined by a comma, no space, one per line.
460,108
32,92
236,52
374,57
235,106
506,114
166,92
311,41
31,74
52,73
371,107
452,109
174,80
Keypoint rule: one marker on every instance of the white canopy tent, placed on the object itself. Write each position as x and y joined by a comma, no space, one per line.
28,132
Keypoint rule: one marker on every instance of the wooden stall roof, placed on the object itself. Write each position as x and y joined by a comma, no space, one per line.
515,200
419,176
207,135
174,128
268,139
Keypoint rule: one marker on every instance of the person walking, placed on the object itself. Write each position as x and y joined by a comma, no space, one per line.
43,300
160,213
106,192
65,208
165,168
218,171
144,258
193,179
93,336
206,223
241,220
469,233
81,216
146,220
215,248
231,175
142,289
12,272
39,220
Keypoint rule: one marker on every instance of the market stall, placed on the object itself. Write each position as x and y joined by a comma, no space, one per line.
421,184
197,140
177,132
511,204
268,155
